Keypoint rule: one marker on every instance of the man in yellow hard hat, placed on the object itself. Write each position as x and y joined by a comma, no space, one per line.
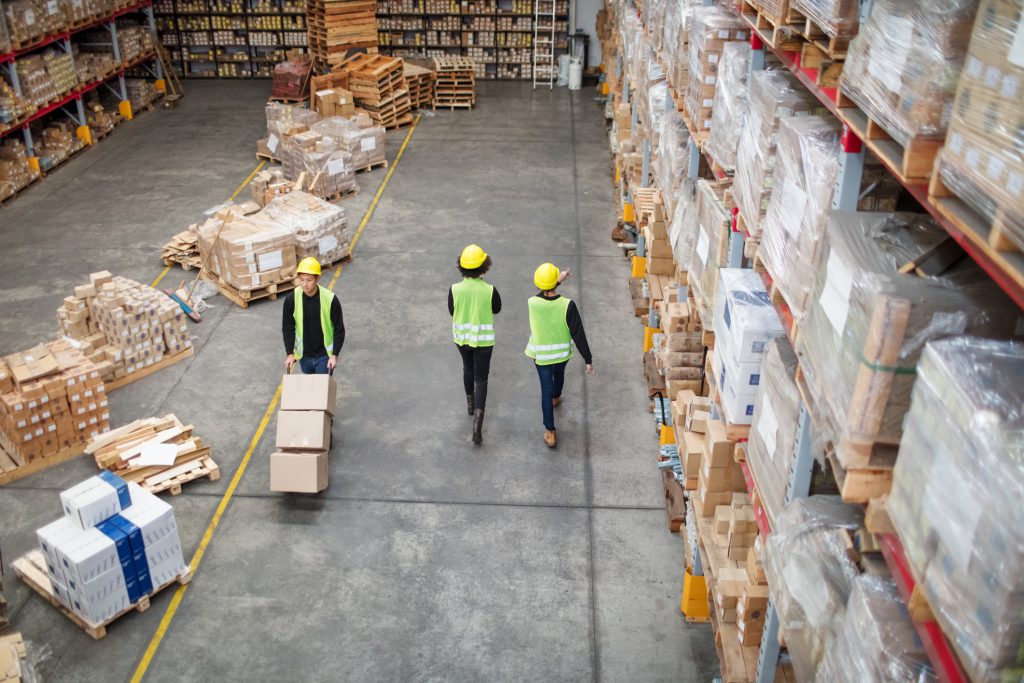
472,304
313,328
555,324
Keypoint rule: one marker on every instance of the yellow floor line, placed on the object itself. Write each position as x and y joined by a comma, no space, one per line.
172,608
241,187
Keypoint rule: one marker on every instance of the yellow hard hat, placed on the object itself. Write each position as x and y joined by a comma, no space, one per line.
309,265
546,276
472,257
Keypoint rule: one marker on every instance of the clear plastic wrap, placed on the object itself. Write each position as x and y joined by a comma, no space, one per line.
682,231
671,164
5,38
806,164
291,79
902,68
711,28
247,252
956,498
811,575
834,17
773,95
678,18
745,323
867,324
772,442
366,143
710,248
877,642
982,161
730,105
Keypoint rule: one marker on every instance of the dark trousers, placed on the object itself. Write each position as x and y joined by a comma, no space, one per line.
476,365
552,378
313,366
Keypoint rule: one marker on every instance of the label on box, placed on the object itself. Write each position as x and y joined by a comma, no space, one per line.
713,58
835,296
709,80
992,77
368,144
708,103
272,260
703,246
322,93
1016,54
794,204
327,244
52,7
1015,183
336,166
30,17
767,426
1010,86
974,67
272,143
723,34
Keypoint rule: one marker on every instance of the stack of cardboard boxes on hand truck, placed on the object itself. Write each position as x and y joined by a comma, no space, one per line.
303,434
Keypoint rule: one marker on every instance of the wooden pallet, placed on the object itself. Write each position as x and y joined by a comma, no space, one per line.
831,43
12,468
245,297
993,234
31,568
146,372
373,166
911,163
781,33
173,478
825,68
452,106
733,431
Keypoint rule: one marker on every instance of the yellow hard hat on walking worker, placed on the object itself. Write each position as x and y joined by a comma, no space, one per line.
309,265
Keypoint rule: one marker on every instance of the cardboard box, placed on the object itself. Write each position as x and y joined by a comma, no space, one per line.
720,451
303,430
308,392
298,472
660,266
28,365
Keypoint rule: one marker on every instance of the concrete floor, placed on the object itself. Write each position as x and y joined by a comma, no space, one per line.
427,558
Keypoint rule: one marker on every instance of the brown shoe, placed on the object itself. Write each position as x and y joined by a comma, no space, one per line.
555,401
549,438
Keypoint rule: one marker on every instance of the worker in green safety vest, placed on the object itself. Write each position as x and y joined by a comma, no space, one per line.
473,304
555,324
312,324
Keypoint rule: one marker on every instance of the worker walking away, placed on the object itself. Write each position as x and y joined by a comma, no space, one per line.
555,324
313,328
472,304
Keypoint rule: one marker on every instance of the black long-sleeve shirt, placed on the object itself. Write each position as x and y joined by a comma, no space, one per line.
495,302
575,323
312,332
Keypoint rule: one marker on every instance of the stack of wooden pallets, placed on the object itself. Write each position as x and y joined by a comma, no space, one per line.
316,31
127,451
421,85
455,82
379,88
343,24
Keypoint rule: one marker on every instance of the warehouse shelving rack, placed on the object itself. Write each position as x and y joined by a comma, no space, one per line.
1005,268
64,104
507,50
187,24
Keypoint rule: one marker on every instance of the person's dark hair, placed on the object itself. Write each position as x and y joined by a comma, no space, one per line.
474,272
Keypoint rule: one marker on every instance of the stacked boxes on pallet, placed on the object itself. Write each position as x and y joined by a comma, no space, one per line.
745,325
867,325
247,252
682,352
359,136
752,607
981,161
774,95
116,544
15,172
903,66
51,398
710,248
329,170
730,105
956,495
720,475
303,434
710,30
123,325
30,20
320,228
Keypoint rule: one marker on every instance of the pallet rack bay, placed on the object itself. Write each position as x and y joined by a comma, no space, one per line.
230,38
496,34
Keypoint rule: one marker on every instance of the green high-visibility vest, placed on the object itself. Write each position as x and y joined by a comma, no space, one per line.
550,339
473,317
326,298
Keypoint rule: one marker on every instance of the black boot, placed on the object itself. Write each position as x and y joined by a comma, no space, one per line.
478,426
469,403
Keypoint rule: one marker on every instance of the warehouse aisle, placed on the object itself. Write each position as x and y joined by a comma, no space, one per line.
427,558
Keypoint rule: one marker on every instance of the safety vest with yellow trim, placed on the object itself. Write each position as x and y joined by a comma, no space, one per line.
326,299
550,339
473,317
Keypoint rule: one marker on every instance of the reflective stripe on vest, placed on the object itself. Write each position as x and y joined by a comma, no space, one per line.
473,317
550,339
326,297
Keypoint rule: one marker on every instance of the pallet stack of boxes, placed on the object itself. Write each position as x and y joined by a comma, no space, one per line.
752,606
682,357
720,476
303,434
246,252
51,398
116,544
122,325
